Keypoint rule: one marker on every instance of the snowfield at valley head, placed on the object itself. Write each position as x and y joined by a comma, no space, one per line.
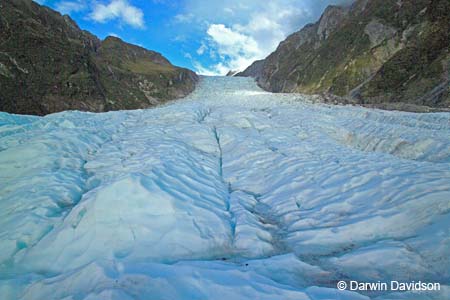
231,193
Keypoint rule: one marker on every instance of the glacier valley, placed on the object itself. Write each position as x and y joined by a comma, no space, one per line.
230,193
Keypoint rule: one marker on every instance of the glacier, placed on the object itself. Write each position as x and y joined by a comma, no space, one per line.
230,193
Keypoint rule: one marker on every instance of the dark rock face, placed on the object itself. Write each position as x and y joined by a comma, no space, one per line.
48,64
374,52
254,70
231,73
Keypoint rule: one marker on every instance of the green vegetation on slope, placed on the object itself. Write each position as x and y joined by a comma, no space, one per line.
48,64
376,51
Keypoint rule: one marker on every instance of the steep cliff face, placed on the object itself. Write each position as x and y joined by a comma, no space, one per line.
48,64
252,71
375,51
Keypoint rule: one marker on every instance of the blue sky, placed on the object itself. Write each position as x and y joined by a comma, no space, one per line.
208,36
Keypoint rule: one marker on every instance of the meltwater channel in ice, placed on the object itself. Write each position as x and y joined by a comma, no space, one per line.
231,193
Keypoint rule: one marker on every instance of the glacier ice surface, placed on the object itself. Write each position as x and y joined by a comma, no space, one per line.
230,193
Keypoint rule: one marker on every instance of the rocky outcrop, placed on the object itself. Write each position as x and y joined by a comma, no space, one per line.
330,21
373,52
232,73
378,32
48,64
254,70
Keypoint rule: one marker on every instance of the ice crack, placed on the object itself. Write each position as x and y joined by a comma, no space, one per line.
227,200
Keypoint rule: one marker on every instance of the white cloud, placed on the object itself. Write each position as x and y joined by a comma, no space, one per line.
67,7
215,70
114,35
242,43
201,50
184,18
180,38
228,38
118,9
228,10
236,49
241,32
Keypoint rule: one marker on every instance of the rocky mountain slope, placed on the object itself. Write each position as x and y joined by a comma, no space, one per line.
48,64
374,52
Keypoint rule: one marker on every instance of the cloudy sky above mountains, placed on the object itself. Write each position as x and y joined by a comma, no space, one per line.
208,36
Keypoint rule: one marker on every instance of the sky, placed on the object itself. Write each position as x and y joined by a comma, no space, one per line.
210,37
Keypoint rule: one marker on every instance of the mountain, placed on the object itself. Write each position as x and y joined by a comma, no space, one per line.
48,64
373,52
253,70
232,73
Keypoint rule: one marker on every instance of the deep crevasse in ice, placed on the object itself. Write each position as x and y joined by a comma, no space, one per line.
230,193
